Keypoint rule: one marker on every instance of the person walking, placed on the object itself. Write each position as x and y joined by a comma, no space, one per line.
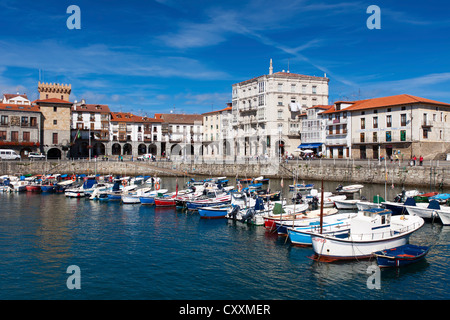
414,160
421,160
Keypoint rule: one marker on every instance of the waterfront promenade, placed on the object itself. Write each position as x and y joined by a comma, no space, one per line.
432,173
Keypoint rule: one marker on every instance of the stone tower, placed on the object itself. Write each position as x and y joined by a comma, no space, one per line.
54,90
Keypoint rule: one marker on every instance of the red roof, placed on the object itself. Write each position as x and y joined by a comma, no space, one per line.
99,108
401,99
52,100
19,107
129,117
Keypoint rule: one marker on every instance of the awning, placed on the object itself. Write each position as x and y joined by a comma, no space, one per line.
309,145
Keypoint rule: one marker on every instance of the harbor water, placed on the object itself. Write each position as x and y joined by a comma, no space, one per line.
141,252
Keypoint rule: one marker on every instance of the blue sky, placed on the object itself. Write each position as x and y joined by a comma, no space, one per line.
161,55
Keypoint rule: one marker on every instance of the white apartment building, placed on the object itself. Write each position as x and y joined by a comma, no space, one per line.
182,134
89,129
338,129
15,99
266,111
313,125
217,133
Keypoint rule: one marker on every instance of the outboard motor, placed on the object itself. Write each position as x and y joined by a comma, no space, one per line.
339,187
248,215
234,212
297,199
315,203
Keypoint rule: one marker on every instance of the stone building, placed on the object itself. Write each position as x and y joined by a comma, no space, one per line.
55,107
20,128
402,126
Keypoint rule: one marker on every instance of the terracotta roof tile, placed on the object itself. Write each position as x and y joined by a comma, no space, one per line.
19,107
179,118
401,99
98,108
52,100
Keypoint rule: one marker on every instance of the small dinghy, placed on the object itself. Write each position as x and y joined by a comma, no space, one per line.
400,256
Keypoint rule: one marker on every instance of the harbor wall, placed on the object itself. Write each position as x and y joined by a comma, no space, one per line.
430,174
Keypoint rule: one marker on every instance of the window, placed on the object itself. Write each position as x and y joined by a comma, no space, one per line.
304,88
388,136
24,121
33,121
375,137
389,121
26,136
403,120
2,135
55,109
280,114
363,123
280,87
4,120
425,133
261,101
293,87
330,130
14,135
361,137
55,138
375,122
262,86
55,122
403,135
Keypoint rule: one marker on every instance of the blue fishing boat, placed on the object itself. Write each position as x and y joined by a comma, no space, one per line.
48,188
400,256
441,197
215,212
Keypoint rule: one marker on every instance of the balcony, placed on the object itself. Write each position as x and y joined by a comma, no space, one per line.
427,124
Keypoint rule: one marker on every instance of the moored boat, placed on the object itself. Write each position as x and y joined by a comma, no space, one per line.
400,256
371,230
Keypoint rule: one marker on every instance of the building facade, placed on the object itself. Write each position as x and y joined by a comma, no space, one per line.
266,111
181,136
401,126
20,128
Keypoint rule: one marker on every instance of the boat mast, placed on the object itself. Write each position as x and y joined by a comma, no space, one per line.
321,209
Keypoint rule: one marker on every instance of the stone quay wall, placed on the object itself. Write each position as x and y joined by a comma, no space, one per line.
431,173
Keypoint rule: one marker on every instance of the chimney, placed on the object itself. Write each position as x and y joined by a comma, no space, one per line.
271,67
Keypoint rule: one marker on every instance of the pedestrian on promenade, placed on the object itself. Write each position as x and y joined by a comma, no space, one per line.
421,160
414,160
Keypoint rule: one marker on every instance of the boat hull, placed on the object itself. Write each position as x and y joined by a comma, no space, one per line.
47,188
400,256
197,205
213,213
33,188
165,202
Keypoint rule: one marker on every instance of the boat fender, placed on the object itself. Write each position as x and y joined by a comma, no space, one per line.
124,183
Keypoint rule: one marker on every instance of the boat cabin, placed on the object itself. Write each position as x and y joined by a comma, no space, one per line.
371,221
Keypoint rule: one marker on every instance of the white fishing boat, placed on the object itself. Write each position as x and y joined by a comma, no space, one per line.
371,230
18,185
429,210
346,204
349,189
365,205
444,215
301,234
134,196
